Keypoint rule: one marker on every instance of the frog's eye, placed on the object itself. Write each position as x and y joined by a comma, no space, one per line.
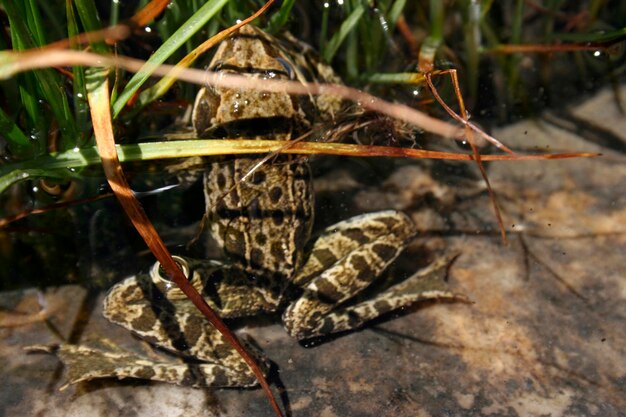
217,66
182,263
204,110
58,189
289,70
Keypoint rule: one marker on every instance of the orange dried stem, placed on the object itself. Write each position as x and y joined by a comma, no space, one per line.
149,12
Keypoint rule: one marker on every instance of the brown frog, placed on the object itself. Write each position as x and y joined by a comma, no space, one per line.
261,215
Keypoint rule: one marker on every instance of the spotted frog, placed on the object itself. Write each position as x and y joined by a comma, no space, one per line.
261,215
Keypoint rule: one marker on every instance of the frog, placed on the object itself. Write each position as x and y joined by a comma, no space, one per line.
260,212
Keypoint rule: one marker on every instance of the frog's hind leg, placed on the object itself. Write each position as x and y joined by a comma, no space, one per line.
85,363
345,260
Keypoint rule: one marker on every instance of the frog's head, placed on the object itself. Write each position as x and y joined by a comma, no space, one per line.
232,112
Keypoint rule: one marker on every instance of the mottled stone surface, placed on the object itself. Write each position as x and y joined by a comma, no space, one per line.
545,333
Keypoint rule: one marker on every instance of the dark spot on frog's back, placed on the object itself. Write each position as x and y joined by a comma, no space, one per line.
234,242
277,251
275,194
260,239
235,110
278,217
249,53
258,177
256,256
234,197
221,180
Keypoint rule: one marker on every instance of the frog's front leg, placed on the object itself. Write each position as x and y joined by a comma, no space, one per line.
345,260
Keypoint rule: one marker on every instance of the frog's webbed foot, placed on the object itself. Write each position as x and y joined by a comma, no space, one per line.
85,363
345,260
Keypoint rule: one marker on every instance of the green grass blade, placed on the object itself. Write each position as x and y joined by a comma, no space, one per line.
12,133
81,108
394,13
36,124
115,13
396,78
33,20
345,28
279,19
51,15
91,22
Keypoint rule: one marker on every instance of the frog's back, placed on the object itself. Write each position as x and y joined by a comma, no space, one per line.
261,223
262,220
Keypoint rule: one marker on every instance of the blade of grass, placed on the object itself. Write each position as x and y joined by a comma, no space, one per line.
352,54
37,125
65,164
81,109
13,134
346,27
396,78
114,16
91,22
472,45
324,26
395,12
99,103
33,20
193,24
279,19
434,39
51,15
512,62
